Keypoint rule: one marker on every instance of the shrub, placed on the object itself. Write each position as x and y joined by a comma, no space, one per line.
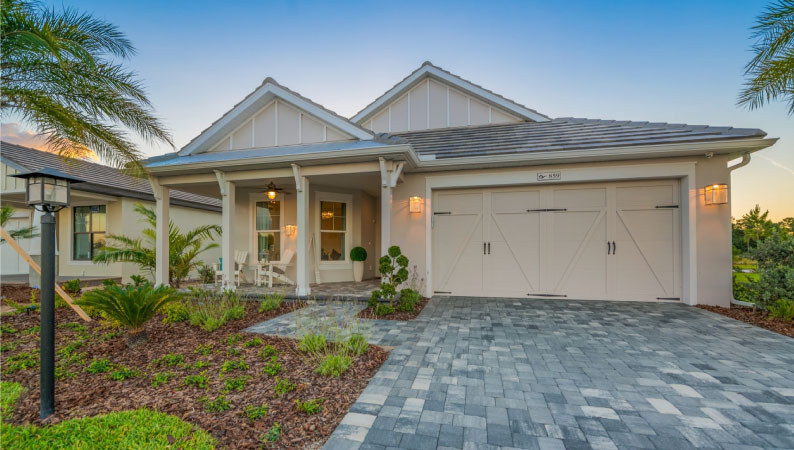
206,274
138,280
204,349
255,412
408,300
199,380
393,267
218,404
783,309
175,312
109,283
268,352
122,373
132,306
357,344
312,343
358,254
273,434
72,286
235,364
309,407
101,365
383,309
775,256
283,386
210,310
254,342
273,368
334,365
161,378
9,393
271,302
235,384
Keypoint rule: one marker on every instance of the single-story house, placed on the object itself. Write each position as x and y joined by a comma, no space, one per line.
485,196
103,204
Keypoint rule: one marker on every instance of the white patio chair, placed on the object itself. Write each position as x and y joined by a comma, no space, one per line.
240,258
277,270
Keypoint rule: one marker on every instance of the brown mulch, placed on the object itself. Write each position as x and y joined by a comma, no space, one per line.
369,312
18,293
755,317
87,394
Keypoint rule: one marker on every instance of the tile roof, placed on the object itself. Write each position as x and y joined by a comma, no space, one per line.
99,178
562,134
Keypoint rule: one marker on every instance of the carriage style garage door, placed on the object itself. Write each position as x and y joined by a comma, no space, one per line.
614,241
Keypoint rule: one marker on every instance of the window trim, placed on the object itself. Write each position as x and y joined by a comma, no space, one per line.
253,254
71,233
341,198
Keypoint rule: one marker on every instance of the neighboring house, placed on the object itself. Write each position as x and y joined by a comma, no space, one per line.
485,196
101,205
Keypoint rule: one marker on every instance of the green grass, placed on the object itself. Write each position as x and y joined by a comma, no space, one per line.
9,393
126,429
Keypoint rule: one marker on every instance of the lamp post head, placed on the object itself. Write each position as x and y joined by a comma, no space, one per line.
47,188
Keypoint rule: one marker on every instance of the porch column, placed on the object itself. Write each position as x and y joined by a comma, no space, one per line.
385,218
303,236
161,246
227,229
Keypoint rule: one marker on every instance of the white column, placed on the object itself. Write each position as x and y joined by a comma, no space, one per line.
227,230
161,248
385,218
303,237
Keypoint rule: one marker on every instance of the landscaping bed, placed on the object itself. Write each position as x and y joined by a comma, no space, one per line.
369,312
187,372
755,317
18,293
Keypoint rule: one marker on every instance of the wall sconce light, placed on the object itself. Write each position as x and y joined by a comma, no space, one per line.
291,230
415,205
716,194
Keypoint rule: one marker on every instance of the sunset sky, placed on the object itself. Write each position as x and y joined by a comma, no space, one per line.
656,61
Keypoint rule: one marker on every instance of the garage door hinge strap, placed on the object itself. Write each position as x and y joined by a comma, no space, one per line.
547,295
439,213
667,207
547,210
442,292
668,298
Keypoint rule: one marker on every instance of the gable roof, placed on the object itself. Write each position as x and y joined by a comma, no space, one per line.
427,69
563,134
253,102
97,178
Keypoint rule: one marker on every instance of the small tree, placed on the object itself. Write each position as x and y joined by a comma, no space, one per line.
184,248
393,267
775,256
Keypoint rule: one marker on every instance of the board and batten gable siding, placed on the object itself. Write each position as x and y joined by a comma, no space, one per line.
432,104
7,182
279,124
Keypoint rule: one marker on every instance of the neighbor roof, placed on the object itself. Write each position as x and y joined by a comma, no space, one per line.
561,134
427,69
98,178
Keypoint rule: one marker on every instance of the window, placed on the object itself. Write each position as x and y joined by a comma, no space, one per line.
268,230
333,227
88,229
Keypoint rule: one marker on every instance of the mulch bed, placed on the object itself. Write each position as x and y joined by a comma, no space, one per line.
369,312
755,317
87,394
18,293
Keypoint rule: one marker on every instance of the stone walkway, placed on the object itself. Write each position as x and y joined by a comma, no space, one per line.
538,374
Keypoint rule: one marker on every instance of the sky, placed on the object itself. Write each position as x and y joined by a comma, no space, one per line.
678,62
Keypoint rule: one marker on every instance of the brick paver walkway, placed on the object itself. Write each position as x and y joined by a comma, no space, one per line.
501,373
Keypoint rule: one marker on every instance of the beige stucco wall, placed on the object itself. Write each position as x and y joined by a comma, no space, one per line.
713,226
122,219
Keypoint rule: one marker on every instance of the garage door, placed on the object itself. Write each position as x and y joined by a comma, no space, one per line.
616,241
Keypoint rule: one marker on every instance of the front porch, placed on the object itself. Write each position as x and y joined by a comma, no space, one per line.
294,225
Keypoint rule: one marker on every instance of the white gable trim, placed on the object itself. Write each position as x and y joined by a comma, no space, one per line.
271,88
431,70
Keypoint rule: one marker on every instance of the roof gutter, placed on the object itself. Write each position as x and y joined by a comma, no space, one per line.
745,161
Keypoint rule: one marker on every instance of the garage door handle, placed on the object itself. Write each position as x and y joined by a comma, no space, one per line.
609,248
489,248
614,248
483,248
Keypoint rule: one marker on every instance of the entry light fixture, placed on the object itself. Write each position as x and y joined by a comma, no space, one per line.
272,191
291,230
415,204
716,194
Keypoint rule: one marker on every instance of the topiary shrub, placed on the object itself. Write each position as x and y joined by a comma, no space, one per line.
393,268
358,254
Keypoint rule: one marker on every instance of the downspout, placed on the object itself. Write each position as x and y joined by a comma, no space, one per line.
745,161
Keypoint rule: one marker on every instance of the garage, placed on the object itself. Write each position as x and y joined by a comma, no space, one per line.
605,241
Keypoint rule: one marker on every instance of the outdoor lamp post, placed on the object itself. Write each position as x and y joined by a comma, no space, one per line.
48,191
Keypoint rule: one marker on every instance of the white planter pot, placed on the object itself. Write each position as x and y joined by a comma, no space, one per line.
358,271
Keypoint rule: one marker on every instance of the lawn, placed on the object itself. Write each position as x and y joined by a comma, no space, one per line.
243,389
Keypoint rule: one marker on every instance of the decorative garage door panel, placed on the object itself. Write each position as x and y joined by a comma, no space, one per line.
605,241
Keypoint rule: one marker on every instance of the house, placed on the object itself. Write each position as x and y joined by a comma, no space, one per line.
486,197
103,204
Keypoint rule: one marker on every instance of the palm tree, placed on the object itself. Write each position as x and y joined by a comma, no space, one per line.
771,71
6,212
60,73
184,248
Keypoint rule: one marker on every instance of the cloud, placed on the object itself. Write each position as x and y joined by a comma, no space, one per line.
15,133
777,164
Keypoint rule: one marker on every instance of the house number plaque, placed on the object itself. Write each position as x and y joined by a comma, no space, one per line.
550,176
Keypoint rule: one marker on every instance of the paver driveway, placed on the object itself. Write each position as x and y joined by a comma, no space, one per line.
502,373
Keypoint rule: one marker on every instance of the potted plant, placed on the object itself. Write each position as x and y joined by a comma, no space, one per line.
358,255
